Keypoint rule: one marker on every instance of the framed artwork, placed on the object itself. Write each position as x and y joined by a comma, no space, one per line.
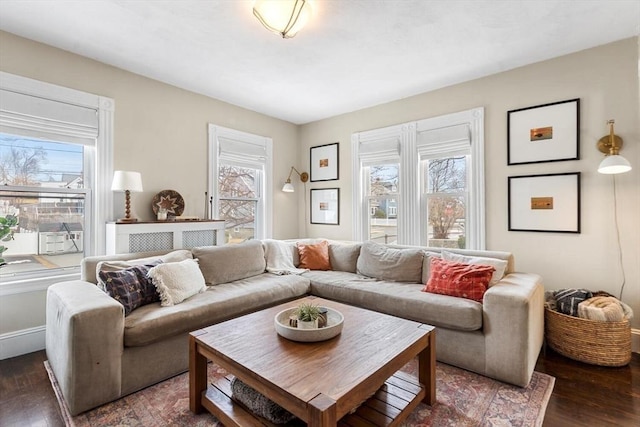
548,203
544,133
324,162
325,206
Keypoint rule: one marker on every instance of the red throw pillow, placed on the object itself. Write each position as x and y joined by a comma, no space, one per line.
456,279
314,257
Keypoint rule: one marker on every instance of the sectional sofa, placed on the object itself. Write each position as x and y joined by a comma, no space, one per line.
98,354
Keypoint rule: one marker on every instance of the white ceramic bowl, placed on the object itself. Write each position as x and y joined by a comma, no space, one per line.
335,320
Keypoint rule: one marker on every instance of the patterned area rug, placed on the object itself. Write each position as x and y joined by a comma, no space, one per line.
463,399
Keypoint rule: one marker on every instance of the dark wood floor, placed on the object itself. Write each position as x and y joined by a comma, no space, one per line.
583,395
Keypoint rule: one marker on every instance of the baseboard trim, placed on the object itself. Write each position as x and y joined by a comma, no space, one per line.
635,340
21,342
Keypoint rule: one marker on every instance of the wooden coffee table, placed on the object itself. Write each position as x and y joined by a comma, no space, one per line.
320,383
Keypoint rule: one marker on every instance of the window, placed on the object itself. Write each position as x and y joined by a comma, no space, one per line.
422,183
242,165
382,197
55,169
445,199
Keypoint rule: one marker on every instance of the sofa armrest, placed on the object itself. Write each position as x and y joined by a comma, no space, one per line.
84,343
513,324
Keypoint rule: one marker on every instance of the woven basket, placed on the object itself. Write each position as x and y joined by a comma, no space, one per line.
588,341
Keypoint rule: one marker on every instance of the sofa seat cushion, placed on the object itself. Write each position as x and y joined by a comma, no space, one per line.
153,323
398,299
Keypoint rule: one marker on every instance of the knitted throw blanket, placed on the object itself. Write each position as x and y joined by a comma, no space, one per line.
604,309
259,404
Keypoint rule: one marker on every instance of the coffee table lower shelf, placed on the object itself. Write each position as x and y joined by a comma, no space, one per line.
389,406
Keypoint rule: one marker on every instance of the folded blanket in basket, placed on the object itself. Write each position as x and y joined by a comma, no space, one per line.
604,309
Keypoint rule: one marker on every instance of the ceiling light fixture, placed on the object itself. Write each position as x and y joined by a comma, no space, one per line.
283,17
611,144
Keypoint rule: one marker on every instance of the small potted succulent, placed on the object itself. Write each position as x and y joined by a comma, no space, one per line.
307,315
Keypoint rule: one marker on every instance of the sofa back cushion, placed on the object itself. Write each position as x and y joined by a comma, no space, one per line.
389,263
224,264
344,256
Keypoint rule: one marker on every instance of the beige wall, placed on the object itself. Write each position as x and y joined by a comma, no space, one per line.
160,131
606,81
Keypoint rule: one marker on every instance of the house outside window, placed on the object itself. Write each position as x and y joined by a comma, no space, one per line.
55,176
434,193
241,164
382,201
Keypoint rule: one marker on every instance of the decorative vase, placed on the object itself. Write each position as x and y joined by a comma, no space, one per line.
308,325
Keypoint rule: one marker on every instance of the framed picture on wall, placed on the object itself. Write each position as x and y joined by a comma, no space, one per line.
324,162
544,133
547,203
325,206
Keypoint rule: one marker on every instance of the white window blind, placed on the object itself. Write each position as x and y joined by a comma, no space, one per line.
378,151
39,117
242,153
445,141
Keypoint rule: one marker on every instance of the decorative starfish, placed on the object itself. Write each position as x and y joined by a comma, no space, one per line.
168,203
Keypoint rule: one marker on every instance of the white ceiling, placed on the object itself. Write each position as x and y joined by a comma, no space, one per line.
353,54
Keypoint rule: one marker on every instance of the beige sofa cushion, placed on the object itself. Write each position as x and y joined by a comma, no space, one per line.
390,264
404,300
344,256
224,264
152,323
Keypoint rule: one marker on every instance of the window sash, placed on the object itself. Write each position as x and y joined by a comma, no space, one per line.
42,192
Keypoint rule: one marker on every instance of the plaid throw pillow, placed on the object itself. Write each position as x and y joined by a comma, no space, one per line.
131,287
469,281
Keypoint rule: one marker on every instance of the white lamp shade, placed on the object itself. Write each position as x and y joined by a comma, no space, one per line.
288,188
276,15
127,180
614,164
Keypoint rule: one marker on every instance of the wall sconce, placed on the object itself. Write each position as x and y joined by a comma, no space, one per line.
610,145
127,181
288,187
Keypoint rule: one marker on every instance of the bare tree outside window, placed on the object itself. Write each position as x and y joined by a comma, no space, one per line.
21,165
446,202
239,194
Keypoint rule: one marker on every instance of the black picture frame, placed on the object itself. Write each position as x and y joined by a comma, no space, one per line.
547,203
544,133
324,162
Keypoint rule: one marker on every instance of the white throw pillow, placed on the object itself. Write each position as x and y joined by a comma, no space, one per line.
177,281
499,264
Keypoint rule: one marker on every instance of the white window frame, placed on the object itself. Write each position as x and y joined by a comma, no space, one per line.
98,175
264,217
400,141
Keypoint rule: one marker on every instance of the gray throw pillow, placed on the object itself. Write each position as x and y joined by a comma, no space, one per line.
392,264
224,264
